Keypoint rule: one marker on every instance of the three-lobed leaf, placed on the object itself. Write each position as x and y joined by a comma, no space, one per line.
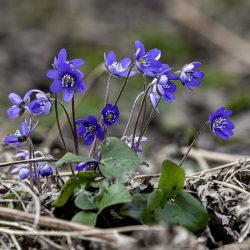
185,210
70,158
69,187
86,218
172,179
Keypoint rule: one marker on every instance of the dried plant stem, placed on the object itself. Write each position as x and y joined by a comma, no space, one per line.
229,185
38,159
54,223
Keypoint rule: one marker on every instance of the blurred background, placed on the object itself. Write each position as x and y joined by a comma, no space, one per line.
216,33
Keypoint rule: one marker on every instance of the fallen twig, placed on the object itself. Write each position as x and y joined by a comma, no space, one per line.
56,224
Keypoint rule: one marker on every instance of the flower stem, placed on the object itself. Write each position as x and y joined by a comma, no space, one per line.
139,114
74,126
67,115
124,84
58,124
131,113
146,125
107,91
32,155
194,140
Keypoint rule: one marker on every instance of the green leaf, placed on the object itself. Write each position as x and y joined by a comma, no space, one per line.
119,160
86,218
84,200
156,200
67,190
136,208
186,211
172,179
69,187
72,158
115,194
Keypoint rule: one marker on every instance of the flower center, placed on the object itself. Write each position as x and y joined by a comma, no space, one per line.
68,81
42,104
110,116
144,60
17,133
189,75
118,67
220,123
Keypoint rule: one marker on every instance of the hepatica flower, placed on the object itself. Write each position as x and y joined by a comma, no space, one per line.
119,69
220,125
21,135
41,104
128,141
62,58
66,79
19,105
89,129
190,76
45,170
88,166
110,114
148,61
163,87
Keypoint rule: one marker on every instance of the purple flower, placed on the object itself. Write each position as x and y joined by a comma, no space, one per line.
220,125
62,58
41,104
119,69
46,170
24,173
128,141
66,79
22,154
110,114
21,135
89,129
19,105
163,87
88,166
190,76
148,62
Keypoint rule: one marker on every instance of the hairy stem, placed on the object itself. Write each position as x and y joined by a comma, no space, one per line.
124,84
74,126
139,114
58,124
194,140
132,113
143,130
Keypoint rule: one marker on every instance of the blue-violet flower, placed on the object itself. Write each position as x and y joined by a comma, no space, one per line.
220,125
66,79
110,114
41,104
88,166
148,62
190,76
19,105
21,135
119,69
46,170
62,58
89,129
